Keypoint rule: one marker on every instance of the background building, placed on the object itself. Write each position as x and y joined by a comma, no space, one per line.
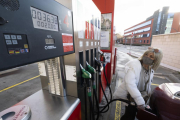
173,23
160,19
142,33
162,23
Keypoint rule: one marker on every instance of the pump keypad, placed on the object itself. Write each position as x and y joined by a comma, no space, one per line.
16,44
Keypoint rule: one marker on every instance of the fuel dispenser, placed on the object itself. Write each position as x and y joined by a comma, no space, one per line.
87,19
39,31
51,34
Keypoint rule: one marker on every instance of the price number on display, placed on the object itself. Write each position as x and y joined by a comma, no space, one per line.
44,20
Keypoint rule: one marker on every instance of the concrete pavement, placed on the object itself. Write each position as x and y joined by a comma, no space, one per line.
137,51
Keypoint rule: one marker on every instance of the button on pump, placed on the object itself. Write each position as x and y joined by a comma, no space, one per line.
13,36
8,42
14,42
7,36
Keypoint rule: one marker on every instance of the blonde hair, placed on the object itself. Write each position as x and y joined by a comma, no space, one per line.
158,57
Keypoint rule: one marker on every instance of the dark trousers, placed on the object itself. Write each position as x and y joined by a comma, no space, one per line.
130,113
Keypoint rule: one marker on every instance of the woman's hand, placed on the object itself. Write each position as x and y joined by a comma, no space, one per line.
141,107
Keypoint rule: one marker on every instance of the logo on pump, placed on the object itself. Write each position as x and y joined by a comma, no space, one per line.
50,47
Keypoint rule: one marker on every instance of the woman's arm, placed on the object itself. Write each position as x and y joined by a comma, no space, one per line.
130,80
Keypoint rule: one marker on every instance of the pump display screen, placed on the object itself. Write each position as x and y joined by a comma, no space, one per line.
44,20
49,41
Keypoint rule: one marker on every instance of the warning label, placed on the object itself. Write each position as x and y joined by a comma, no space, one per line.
67,42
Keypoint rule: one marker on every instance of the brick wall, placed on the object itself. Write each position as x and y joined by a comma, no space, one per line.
170,45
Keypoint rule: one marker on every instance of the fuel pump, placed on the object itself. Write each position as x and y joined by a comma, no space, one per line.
43,34
86,75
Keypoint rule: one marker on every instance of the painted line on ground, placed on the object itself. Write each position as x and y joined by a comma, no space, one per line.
19,83
118,111
154,84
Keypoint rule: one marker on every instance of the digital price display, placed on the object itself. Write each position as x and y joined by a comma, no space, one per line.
44,20
49,41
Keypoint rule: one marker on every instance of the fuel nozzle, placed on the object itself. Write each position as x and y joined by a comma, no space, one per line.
98,62
92,71
85,74
90,68
100,52
102,57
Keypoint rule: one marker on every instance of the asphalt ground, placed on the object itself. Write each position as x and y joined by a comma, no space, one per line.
18,85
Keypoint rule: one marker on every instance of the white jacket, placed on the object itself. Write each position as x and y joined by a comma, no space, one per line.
131,80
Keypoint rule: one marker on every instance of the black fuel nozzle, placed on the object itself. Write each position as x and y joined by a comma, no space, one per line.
98,65
98,62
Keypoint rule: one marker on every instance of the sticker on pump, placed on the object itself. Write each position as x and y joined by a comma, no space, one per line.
17,52
22,50
25,45
26,50
11,52
67,42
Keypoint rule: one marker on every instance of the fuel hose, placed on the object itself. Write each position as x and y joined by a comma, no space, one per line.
107,81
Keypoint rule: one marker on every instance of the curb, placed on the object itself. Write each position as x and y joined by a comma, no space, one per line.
132,55
8,71
171,77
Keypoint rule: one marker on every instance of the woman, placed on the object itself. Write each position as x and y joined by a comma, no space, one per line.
136,85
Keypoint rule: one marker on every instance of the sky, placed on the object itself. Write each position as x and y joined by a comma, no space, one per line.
131,12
